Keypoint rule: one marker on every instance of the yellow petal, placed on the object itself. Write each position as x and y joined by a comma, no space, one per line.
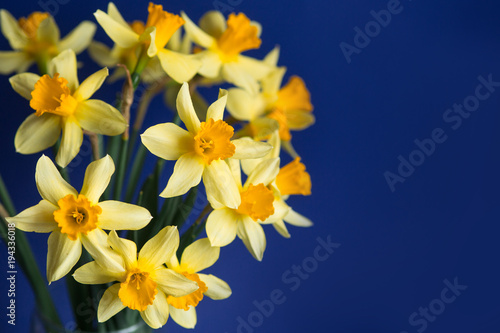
97,177
186,110
272,57
79,38
110,304
115,14
244,106
49,182
186,319
235,167
37,133
72,137
102,54
160,248
281,228
235,74
187,173
252,235
271,84
297,219
281,209
216,109
221,226
99,117
24,83
217,288
199,255
123,36
38,218
62,255
265,172
213,23
65,65
91,84
156,314
48,31
12,31
210,64
247,148
126,248
299,120
92,273
220,184
118,215
196,34
12,61
256,68
168,141
173,283
96,243
149,37
180,67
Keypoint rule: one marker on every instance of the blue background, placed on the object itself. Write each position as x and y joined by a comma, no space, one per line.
397,247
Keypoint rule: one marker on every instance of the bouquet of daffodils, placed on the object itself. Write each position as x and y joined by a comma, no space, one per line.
115,239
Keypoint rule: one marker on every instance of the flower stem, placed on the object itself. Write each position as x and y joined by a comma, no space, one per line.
5,198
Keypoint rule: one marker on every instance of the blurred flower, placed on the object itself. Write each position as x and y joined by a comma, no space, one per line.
61,103
224,42
36,39
134,39
196,257
75,219
258,205
201,151
144,282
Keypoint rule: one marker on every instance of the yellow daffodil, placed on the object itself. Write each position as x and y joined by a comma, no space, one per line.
75,219
290,106
196,257
292,179
224,42
144,282
36,38
152,36
258,206
61,103
201,151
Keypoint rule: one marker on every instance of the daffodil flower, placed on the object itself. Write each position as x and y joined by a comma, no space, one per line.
290,106
154,35
224,43
258,206
37,38
202,150
195,258
144,282
292,179
61,103
74,219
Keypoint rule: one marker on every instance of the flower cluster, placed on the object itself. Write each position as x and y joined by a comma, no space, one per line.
149,266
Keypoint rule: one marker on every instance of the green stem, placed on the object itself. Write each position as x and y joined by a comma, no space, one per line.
79,295
5,198
135,173
120,171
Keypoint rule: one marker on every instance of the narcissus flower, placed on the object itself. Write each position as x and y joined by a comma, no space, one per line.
224,43
258,206
290,106
144,282
201,151
36,38
61,103
196,257
75,219
292,179
152,36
